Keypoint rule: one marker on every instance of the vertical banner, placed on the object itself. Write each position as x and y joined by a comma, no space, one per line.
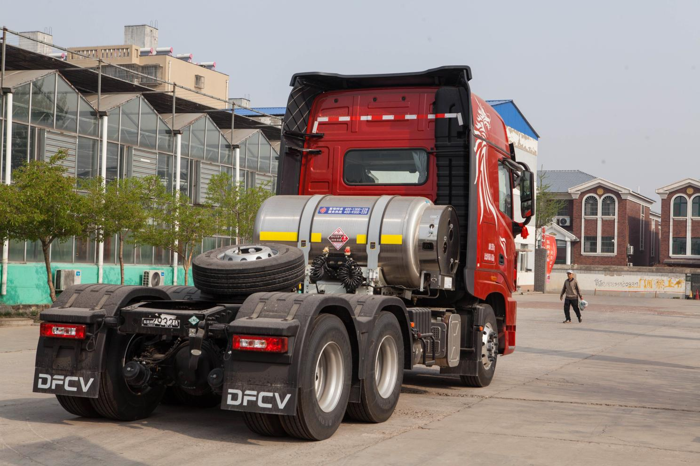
549,242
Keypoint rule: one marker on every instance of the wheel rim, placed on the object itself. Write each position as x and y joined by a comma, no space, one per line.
247,253
386,367
329,377
489,346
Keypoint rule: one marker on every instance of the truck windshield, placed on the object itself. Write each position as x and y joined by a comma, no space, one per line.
385,167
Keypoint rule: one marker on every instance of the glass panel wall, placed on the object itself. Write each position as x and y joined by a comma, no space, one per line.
165,169
252,151
20,103
113,124
149,127
198,130
20,145
265,152
43,92
212,154
165,137
88,124
86,158
130,122
66,107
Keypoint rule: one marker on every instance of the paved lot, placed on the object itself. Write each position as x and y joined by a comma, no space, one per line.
623,387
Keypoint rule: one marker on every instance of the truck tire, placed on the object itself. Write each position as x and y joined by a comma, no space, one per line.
486,367
78,406
325,378
257,268
116,400
268,425
382,385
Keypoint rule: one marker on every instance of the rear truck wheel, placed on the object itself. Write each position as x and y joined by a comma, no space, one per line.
268,425
78,406
325,376
118,400
382,385
248,269
486,365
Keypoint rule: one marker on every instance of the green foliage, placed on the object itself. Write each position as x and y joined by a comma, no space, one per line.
119,208
42,205
235,207
174,224
547,206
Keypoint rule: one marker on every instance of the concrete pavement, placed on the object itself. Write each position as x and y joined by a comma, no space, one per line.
620,388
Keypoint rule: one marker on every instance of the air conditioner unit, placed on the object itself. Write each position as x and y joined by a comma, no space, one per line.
153,278
66,278
563,221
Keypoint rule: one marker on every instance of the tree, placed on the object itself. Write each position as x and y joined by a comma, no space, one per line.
547,206
235,208
42,204
119,208
176,225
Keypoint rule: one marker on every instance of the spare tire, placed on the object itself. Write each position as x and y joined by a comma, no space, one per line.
248,269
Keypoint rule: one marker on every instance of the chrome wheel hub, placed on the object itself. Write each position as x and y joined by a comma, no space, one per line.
245,253
329,377
386,367
489,346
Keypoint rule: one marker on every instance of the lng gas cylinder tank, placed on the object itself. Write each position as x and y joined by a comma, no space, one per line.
411,234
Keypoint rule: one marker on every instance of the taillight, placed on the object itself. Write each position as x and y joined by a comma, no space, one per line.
262,344
75,331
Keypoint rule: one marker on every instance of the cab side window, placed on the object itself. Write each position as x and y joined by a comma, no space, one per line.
505,191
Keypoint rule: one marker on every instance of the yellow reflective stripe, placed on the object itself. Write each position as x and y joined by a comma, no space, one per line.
315,237
361,239
392,239
278,236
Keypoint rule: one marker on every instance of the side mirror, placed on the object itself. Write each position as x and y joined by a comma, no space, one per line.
527,194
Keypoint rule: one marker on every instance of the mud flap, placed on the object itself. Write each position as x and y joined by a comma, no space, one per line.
240,396
79,383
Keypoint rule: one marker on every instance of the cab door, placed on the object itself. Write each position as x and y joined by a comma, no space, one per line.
505,258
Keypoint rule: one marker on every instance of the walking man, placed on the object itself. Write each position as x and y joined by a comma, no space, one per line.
573,294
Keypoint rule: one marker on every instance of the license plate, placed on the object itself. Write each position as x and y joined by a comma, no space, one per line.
161,321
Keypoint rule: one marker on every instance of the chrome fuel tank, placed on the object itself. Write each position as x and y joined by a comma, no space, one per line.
407,237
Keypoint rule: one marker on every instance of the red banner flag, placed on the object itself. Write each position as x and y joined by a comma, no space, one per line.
549,242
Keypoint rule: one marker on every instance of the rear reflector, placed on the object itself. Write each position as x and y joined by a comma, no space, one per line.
74,331
262,344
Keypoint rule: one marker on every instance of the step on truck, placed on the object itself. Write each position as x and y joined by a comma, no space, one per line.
389,245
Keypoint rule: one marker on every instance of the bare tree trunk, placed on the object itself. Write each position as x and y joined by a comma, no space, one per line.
121,257
186,264
47,261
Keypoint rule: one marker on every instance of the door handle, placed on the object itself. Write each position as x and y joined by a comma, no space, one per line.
501,259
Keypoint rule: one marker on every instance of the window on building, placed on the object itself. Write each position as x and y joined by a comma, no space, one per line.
20,103
84,250
66,107
34,251
590,244
185,142
561,252
88,122
199,129
130,122
62,251
20,146
199,81
143,255
385,167
165,137
680,207
678,246
607,244
148,127
43,100
165,169
652,251
212,148
113,124
505,191
590,207
16,251
695,211
608,206
695,246
86,158
563,209
252,152
112,161
265,153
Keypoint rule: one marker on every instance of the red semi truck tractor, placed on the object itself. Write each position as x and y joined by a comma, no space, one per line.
389,245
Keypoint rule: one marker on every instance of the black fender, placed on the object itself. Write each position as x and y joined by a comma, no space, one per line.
292,315
83,304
